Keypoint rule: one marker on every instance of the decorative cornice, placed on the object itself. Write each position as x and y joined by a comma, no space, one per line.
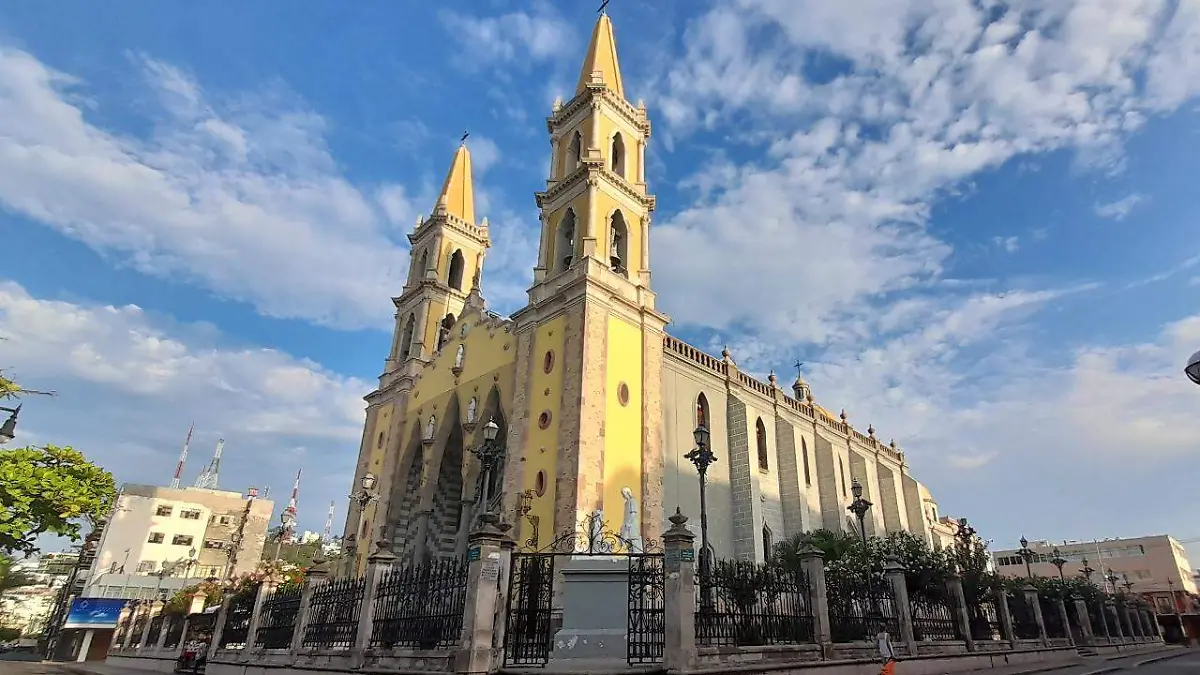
591,172
595,94
452,223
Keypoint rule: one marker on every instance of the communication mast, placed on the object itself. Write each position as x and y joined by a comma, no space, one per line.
210,478
182,458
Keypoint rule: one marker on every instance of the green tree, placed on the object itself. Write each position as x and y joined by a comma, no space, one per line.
49,490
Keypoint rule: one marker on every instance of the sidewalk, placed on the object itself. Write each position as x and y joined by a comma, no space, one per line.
101,668
1091,665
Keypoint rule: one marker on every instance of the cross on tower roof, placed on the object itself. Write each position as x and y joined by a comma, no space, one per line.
464,137
799,368
602,6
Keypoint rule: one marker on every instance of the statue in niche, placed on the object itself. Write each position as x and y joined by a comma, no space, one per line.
430,427
631,526
458,356
471,406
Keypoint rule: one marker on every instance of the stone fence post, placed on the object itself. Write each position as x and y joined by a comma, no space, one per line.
813,563
264,589
134,608
1086,636
894,571
1035,603
960,600
1006,620
317,574
379,563
167,622
488,564
1066,621
679,595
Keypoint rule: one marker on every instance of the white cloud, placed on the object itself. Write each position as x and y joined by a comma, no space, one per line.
537,35
1008,244
1120,209
129,384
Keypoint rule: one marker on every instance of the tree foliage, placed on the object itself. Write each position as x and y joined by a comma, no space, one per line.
11,578
214,591
49,490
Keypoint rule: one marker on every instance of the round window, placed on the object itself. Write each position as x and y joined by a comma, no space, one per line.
539,483
548,361
544,419
623,394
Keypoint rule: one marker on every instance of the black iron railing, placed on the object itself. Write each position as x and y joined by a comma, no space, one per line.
646,629
174,631
529,622
237,619
333,614
861,614
1052,618
744,603
935,617
1023,620
421,606
277,619
156,625
139,623
984,620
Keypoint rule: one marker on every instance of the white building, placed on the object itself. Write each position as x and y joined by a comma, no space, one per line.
162,539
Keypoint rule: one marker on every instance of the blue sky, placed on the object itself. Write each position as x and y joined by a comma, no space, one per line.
975,222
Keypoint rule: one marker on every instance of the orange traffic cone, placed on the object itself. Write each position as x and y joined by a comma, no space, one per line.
889,668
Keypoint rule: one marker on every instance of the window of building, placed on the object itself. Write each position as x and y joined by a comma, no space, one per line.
618,155
210,571
618,245
214,543
163,511
146,566
406,339
574,152
564,245
455,275
760,435
181,540
190,514
768,544
842,475
804,452
156,538
702,412
224,520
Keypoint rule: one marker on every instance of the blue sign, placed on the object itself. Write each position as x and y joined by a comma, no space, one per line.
94,612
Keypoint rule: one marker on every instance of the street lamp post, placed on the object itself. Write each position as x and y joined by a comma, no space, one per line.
1058,561
1126,583
1193,368
1087,571
8,430
702,457
1027,555
490,454
859,507
1111,578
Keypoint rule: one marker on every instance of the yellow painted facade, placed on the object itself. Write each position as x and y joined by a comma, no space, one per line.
589,393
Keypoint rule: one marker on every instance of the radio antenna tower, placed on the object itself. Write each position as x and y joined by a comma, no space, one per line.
182,458
210,478
328,534
288,517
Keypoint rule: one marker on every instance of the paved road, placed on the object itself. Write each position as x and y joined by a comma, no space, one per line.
1176,666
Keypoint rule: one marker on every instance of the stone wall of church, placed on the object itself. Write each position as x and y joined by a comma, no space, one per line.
783,466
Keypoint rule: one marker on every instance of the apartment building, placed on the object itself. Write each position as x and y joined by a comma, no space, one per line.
1154,566
159,540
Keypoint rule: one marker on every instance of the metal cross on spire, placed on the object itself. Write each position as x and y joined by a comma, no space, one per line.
799,368
603,5
464,137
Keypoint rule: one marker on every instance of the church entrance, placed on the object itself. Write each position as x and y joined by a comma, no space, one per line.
591,595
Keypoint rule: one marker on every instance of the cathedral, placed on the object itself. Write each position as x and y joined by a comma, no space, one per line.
594,402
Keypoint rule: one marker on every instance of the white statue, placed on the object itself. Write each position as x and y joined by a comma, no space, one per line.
430,427
631,525
471,405
458,356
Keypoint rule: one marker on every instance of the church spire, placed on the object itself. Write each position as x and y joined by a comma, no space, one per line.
602,58
458,192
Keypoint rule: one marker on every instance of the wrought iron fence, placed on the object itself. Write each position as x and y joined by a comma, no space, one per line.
743,603
139,623
174,631
646,630
1126,623
530,591
1099,619
156,625
984,620
1024,622
420,606
277,619
935,617
333,614
237,619
859,614
1052,618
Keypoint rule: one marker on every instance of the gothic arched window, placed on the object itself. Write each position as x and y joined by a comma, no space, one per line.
768,543
424,264
455,276
842,475
444,330
617,160
804,451
574,152
760,435
702,412
406,336
618,244
564,247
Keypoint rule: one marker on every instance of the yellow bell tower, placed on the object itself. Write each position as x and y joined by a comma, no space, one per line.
447,258
589,428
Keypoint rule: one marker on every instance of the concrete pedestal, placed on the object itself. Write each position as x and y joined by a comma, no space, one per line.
595,601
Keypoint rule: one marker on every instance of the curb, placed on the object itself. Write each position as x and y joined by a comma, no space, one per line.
1174,655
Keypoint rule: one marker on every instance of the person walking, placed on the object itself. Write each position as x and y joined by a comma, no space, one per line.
887,654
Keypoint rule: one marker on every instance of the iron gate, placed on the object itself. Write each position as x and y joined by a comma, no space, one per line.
531,616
